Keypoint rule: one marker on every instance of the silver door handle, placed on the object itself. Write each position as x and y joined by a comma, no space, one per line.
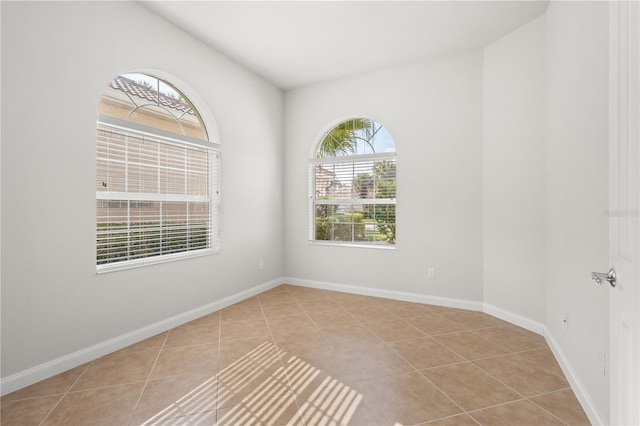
601,277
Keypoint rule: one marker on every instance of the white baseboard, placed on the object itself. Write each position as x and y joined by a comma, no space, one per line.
576,384
44,371
514,319
388,294
59,365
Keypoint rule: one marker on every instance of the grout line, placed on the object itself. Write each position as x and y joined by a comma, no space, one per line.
217,400
544,409
155,362
67,392
470,412
280,354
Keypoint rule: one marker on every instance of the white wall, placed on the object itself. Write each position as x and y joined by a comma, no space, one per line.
433,110
513,172
56,60
576,192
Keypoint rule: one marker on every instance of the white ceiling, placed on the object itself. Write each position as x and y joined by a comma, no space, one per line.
295,43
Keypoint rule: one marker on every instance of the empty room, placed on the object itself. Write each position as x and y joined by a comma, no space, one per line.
320,213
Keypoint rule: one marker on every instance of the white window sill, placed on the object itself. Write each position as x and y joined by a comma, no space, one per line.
356,245
155,260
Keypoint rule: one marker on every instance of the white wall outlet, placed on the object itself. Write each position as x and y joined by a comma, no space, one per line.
431,272
565,321
261,264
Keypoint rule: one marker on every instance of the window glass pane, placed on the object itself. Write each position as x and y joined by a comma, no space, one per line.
152,190
356,136
146,100
354,201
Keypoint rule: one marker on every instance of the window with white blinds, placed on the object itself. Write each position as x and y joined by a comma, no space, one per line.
353,186
157,195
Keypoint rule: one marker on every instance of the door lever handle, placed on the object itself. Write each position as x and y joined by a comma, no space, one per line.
601,277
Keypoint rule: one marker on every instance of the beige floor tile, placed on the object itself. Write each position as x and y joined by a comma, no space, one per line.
248,381
259,350
351,301
523,376
301,343
390,331
434,324
275,409
410,310
291,324
512,338
27,412
406,399
328,319
564,405
105,406
521,413
425,353
470,387
201,359
56,385
327,400
176,396
193,334
406,309
275,298
236,310
325,305
207,418
470,345
252,385
116,369
253,313
473,319
371,313
243,329
351,337
285,309
151,344
377,361
459,420
543,357
311,295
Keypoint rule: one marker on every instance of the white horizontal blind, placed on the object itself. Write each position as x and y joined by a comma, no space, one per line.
154,197
353,199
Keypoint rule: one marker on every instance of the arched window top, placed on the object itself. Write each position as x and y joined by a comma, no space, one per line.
355,136
157,176
152,102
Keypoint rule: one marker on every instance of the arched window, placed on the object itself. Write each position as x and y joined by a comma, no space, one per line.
157,176
353,185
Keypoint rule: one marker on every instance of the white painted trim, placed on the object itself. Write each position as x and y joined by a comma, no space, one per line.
577,386
388,294
514,319
64,363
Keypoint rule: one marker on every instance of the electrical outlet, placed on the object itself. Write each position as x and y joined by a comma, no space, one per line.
431,272
260,264
565,321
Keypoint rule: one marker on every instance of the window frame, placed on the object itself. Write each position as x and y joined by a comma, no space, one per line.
157,136
314,202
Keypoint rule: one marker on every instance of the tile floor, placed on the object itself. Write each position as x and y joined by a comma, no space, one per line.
302,356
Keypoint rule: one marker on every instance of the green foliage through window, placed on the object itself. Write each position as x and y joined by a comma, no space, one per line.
355,200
